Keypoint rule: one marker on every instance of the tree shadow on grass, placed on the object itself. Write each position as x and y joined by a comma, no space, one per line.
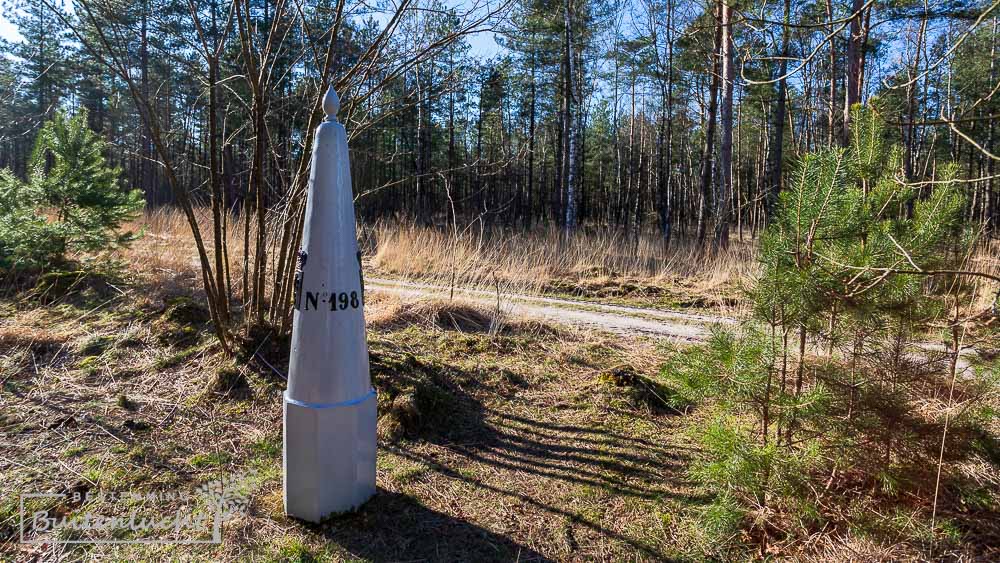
543,507
446,410
526,453
396,527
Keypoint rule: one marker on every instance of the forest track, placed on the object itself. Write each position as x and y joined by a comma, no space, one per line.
613,318
671,325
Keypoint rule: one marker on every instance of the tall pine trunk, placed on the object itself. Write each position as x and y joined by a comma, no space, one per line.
776,157
855,65
569,128
705,205
724,201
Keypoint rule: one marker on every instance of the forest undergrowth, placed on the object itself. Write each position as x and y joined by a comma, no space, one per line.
845,409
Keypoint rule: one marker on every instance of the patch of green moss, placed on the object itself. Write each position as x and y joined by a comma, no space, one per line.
95,345
206,460
293,550
88,363
172,335
176,358
414,395
639,390
620,376
269,447
110,477
124,402
409,475
185,310
140,452
464,343
181,322
74,451
230,381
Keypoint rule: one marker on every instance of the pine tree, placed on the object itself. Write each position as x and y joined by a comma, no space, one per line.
44,55
830,374
69,175
70,180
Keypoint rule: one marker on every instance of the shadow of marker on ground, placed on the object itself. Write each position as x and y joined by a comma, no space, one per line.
640,546
396,527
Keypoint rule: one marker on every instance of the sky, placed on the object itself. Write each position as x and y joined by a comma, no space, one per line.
7,30
483,44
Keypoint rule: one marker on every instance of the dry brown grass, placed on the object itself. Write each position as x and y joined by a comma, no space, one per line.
512,447
166,253
389,313
592,264
598,264
544,260
986,260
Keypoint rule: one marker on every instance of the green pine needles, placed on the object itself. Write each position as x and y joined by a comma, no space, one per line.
72,200
832,397
851,233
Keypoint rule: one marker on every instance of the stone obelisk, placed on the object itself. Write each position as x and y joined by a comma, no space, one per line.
329,411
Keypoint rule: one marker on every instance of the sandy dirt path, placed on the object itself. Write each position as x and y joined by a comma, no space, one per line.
671,325
613,318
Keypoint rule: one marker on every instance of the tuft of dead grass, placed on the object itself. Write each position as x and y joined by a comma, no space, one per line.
600,261
593,263
38,339
987,260
390,313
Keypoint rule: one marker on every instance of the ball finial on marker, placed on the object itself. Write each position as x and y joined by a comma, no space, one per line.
331,104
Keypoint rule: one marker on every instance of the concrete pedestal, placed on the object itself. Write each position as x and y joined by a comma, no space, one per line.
329,456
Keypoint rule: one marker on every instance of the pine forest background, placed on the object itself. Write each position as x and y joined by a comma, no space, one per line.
671,116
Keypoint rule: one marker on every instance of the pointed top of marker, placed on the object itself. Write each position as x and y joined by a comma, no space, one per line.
331,104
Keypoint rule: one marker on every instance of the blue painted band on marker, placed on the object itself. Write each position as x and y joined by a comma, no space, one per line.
350,403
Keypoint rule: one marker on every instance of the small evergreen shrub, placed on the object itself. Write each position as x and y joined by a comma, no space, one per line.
71,202
828,393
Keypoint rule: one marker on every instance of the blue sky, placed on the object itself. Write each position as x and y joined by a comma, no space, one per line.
7,30
483,44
